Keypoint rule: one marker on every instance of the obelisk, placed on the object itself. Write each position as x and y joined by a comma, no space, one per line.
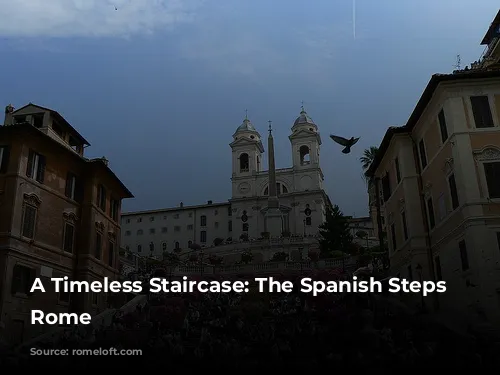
274,217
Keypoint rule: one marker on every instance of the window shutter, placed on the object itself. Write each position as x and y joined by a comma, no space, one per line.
69,181
41,166
32,276
5,159
79,190
29,166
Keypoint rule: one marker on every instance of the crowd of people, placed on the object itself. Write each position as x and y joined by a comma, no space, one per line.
275,331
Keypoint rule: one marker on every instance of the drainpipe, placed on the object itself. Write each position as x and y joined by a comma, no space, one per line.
380,230
430,258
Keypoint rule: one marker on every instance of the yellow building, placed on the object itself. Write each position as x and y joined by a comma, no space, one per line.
439,177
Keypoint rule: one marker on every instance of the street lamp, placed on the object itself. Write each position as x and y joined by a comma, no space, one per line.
201,262
422,300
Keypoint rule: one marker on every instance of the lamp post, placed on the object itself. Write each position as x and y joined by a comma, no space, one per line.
422,300
201,262
301,249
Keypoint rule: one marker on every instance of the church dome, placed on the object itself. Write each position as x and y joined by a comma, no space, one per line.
246,126
303,119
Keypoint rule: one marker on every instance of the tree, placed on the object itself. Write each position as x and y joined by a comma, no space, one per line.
334,232
367,158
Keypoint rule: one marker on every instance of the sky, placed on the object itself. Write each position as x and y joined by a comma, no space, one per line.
160,86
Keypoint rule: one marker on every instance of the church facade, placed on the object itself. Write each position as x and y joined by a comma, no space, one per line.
298,195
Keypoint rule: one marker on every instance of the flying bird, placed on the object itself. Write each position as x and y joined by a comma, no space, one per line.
347,143
116,8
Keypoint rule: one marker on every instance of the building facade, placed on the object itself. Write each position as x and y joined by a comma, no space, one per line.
59,216
440,181
302,200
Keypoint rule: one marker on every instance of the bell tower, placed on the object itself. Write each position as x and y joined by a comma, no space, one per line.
306,142
247,152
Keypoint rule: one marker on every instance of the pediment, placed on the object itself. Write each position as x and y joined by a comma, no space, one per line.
303,133
30,109
247,142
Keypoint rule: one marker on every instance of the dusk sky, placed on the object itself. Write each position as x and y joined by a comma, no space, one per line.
160,86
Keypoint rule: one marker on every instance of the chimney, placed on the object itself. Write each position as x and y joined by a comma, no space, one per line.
8,115
209,202
181,205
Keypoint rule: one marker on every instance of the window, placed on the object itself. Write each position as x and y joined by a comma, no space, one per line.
177,228
152,231
101,197
29,221
111,253
398,171
22,279
139,248
151,247
442,207
410,273
164,246
216,225
177,245
203,236
230,226
139,232
405,226
70,186
69,237
36,166
38,121
203,221
442,126
386,187
305,157
439,272
189,244
453,192
430,214
423,155
393,237
164,230
216,212
176,216
98,245
152,218
244,163
127,221
245,227
165,217
308,220
114,206
481,111
4,158
190,227
464,258
139,220
492,172
127,233
229,211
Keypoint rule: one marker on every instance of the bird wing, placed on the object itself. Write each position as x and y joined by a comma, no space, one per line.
354,141
340,140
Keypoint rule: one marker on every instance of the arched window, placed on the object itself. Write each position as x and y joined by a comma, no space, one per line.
308,220
177,245
164,246
244,163
139,248
189,244
305,157
280,189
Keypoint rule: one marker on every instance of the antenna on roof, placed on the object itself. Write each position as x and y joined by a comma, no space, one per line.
458,63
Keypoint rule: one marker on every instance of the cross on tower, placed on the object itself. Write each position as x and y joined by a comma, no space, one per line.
246,114
302,105
270,127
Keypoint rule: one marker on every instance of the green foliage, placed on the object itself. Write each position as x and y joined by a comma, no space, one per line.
280,256
334,233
